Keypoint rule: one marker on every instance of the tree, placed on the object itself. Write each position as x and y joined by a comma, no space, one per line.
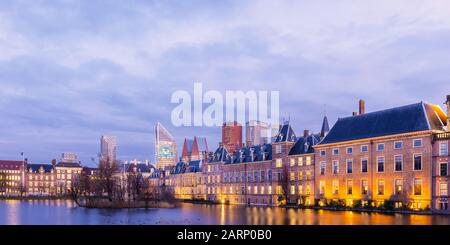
285,182
107,169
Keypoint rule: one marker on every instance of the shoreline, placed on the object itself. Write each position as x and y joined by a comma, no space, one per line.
203,202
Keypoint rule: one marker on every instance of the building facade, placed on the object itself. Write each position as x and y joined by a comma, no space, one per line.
232,136
165,147
41,180
66,173
108,147
12,177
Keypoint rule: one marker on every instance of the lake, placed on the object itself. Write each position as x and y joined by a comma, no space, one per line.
65,212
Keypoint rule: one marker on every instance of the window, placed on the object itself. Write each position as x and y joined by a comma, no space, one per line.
398,145
398,186
380,147
398,161
335,167
308,189
269,174
335,187
322,168
380,164
225,178
364,148
349,187
417,187
364,187
380,187
278,163
443,169
243,177
443,189
278,149
308,161
292,176
292,162
417,143
300,161
336,151
417,162
364,165
249,177
308,175
263,176
322,187
292,190
349,166
300,175
300,189
443,149
256,176
349,150
269,190
322,153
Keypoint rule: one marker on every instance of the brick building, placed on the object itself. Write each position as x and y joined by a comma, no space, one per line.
66,172
41,180
12,178
232,136
380,156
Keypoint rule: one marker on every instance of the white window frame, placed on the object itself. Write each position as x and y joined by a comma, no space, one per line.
384,164
333,151
361,148
348,148
421,143
446,149
381,144
401,147
366,159
395,156
421,162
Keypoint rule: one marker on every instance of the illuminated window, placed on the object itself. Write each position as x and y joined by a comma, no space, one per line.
279,190
292,162
364,187
279,163
292,176
300,175
269,190
380,186
417,187
308,160
231,189
443,189
300,189
417,162
300,161
292,190
398,186
349,187
398,161
335,186
255,190
308,189
322,187
308,175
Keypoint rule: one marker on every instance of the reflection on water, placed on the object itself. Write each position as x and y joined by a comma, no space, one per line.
65,212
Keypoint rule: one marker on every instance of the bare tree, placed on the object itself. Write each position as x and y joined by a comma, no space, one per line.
284,180
107,170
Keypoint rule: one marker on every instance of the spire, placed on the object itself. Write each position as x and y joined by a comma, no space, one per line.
325,127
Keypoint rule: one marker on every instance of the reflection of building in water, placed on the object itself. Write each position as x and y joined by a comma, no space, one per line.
165,147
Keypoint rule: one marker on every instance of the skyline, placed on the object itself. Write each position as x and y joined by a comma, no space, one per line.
73,71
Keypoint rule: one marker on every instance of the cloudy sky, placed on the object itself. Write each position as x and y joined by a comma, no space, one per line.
71,71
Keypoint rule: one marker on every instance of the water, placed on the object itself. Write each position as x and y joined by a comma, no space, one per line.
62,212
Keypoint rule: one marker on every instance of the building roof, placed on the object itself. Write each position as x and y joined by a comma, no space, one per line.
304,145
325,127
220,155
250,154
140,167
69,164
202,144
10,164
405,119
183,167
35,168
285,134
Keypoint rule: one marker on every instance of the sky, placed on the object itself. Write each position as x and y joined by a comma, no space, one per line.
71,71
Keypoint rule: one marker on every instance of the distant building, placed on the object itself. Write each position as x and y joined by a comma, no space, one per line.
66,172
108,147
257,133
166,147
232,136
41,180
11,177
195,149
69,157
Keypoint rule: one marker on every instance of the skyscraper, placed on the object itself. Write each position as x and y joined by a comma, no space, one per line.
232,136
165,147
108,147
257,133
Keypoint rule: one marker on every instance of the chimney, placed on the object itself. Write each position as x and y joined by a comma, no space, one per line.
355,113
362,108
305,133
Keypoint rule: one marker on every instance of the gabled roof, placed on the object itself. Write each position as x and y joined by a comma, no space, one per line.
68,165
304,145
286,134
405,119
251,154
325,127
35,168
220,155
